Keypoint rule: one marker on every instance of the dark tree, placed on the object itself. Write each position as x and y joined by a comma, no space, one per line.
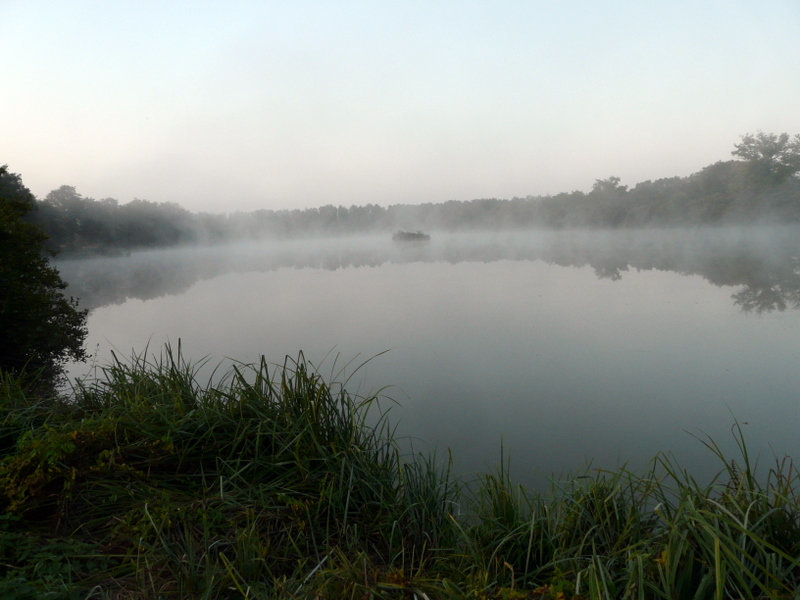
773,157
40,329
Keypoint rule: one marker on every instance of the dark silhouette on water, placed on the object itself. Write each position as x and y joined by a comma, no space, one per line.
411,236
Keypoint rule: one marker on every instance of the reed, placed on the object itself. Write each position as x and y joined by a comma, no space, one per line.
192,490
273,482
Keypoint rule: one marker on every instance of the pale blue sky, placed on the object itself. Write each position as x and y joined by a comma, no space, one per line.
247,105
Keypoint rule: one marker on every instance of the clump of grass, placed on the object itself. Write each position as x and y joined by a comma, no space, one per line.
274,483
195,491
565,539
735,537
615,534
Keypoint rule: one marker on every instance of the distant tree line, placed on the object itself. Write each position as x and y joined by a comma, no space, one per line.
760,185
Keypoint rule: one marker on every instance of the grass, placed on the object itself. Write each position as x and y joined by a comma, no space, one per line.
275,483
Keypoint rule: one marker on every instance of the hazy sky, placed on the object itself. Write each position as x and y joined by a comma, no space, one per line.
244,105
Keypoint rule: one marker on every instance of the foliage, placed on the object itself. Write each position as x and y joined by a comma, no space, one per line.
276,484
772,157
39,327
74,223
762,187
195,491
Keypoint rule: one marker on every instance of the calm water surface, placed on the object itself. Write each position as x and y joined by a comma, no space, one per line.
567,348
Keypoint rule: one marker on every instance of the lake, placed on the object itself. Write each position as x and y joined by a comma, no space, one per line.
568,348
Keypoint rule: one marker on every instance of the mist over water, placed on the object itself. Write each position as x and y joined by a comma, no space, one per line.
569,347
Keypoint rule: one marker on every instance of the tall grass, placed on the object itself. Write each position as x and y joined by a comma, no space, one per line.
204,491
272,482
657,535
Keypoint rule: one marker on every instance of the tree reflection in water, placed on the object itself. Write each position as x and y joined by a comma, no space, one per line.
763,262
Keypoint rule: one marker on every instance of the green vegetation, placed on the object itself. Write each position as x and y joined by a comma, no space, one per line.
760,186
39,328
274,483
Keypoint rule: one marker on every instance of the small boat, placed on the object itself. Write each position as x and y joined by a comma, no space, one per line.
411,236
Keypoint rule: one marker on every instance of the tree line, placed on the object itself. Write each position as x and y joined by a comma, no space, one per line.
40,328
759,185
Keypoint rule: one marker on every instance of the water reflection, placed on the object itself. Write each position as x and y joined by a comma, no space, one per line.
762,263
569,347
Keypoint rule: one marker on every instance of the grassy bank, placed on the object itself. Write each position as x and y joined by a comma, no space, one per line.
275,483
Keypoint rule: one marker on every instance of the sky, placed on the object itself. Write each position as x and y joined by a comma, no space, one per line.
244,105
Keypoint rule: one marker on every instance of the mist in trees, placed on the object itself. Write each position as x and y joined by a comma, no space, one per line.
760,185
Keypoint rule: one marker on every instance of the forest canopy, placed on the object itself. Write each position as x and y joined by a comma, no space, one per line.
759,185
